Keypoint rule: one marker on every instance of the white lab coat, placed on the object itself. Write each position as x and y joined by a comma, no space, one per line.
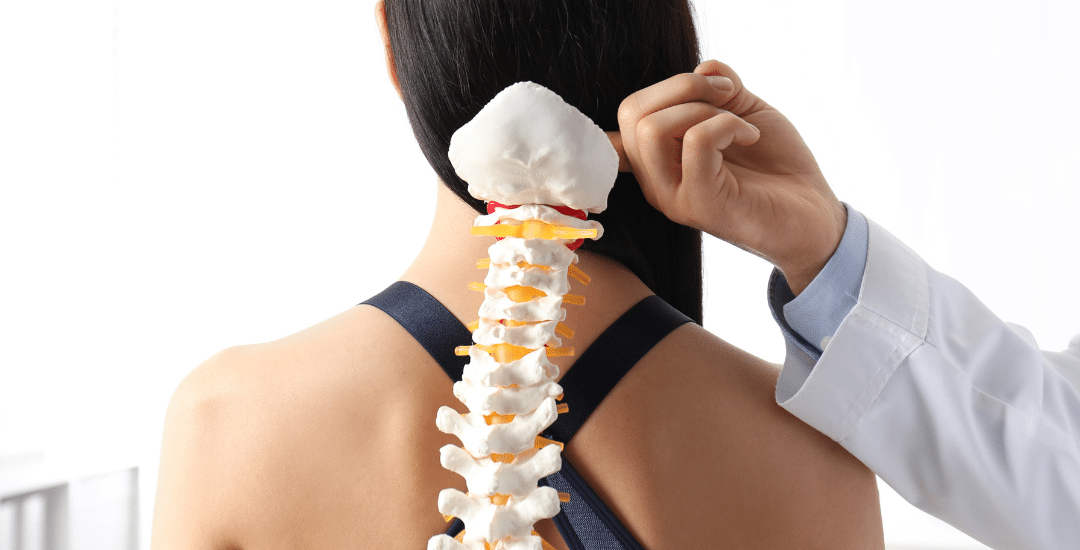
958,411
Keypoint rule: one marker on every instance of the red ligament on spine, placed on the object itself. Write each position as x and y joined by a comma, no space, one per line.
565,210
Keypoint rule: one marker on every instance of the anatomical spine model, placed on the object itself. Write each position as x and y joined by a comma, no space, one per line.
541,165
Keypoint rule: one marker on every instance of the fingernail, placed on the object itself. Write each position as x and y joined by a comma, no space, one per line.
721,82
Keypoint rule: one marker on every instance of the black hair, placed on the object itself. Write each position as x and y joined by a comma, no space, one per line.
453,56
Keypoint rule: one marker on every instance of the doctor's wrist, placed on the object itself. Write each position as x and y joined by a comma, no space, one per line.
802,271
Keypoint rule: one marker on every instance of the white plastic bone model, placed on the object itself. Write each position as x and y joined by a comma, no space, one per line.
530,150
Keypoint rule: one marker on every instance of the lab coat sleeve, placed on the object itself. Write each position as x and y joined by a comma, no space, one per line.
958,411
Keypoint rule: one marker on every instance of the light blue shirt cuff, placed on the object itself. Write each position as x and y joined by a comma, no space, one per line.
813,316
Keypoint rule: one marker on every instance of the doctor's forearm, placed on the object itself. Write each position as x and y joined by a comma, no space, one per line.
948,404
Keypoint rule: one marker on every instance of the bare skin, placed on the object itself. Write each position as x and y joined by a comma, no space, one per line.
327,438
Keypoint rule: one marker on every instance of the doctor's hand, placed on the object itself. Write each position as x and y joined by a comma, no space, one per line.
711,155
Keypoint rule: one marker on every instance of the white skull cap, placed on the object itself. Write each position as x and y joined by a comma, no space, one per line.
528,146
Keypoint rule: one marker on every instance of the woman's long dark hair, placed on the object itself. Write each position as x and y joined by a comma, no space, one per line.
453,56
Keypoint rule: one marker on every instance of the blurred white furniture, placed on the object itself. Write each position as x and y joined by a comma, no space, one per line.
67,503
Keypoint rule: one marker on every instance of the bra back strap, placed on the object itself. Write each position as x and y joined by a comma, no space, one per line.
609,358
428,321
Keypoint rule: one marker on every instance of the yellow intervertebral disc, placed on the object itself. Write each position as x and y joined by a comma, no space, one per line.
534,229
496,418
521,294
502,457
506,353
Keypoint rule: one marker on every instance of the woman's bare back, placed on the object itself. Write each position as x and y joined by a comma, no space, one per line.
327,439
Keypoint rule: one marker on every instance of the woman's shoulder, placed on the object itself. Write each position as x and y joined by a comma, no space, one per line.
698,415
254,372
325,368
341,345
257,427
240,394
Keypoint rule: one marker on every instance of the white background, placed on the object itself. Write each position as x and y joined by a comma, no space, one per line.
179,177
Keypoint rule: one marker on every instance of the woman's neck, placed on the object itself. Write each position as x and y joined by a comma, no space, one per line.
447,264
450,252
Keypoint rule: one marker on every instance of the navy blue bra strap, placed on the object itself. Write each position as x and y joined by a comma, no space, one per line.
581,489
428,321
609,358
562,520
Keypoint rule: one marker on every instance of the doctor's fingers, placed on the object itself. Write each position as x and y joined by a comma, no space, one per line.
679,89
681,146
704,173
739,100
658,144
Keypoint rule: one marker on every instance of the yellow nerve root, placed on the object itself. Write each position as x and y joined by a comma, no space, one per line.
540,442
573,299
564,497
579,275
534,229
562,408
560,352
564,330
